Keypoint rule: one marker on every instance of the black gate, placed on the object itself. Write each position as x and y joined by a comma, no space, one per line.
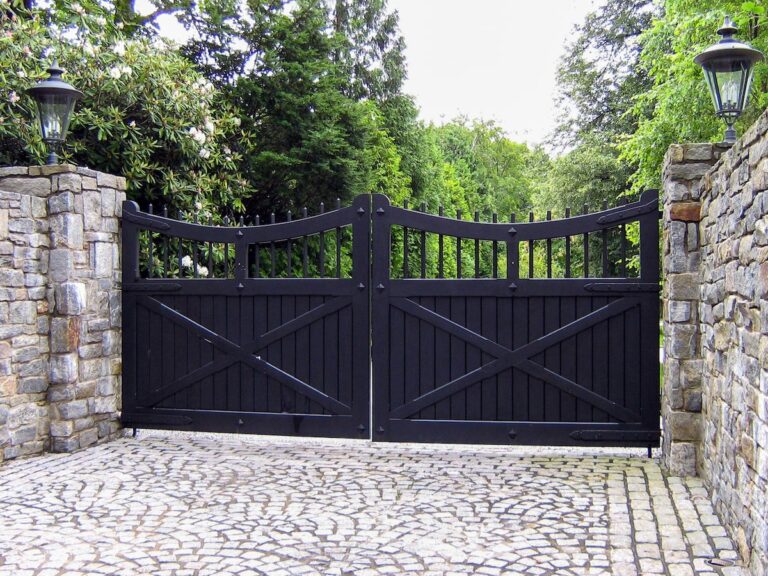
212,344
552,339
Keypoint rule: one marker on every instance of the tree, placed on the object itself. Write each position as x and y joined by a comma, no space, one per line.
599,77
146,114
677,108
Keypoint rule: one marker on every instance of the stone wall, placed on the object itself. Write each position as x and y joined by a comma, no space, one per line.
59,308
716,320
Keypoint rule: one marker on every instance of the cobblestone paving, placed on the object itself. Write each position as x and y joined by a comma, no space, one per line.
175,504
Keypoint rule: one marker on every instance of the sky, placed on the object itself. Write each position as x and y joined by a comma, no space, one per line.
489,59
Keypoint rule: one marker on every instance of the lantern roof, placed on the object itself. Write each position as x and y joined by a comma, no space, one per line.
54,85
728,47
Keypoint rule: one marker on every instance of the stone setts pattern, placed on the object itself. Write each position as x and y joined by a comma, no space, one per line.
211,505
716,316
59,308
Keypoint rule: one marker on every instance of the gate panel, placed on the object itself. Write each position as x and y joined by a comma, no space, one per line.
242,352
507,359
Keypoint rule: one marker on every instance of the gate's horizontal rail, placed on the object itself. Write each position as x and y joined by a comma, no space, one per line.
248,234
520,287
523,231
247,286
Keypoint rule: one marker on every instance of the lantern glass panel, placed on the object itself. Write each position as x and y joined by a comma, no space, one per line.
54,112
729,82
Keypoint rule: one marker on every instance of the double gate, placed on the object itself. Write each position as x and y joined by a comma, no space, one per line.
362,322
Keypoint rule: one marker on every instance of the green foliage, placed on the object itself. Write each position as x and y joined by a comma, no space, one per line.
677,108
146,114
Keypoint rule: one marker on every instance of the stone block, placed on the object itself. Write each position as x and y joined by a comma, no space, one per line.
61,393
11,278
3,224
69,182
679,311
65,444
65,334
61,202
60,264
70,298
684,426
67,231
40,187
683,286
73,410
92,210
685,211
681,459
698,152
104,405
32,385
22,435
692,171
7,385
102,262
63,368
62,428
683,341
89,437
22,312
3,415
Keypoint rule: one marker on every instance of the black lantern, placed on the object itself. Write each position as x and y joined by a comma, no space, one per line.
55,101
728,67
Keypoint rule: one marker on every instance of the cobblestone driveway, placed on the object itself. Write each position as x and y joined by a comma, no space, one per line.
176,504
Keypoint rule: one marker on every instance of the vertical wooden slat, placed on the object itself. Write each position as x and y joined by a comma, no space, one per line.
600,339
195,252
288,342
530,250
520,404
568,359
477,249
584,359
442,357
458,358
489,387
406,271
440,265
166,262
316,358
304,249
226,251
322,244
257,252
513,254
423,246
338,243
458,249
210,251
272,254
567,248
427,359
474,358
179,250
606,267
274,353
504,383
549,248
247,381
495,270
551,321
586,247
288,249
151,255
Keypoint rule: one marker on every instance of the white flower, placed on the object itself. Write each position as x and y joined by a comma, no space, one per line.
202,271
197,135
100,21
127,70
116,72
132,123
26,51
186,262
79,9
198,206
89,49
119,25
236,121
209,127
13,97
119,48
21,74
226,150
205,153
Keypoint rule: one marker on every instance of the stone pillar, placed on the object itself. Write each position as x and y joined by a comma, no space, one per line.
84,276
59,308
684,166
